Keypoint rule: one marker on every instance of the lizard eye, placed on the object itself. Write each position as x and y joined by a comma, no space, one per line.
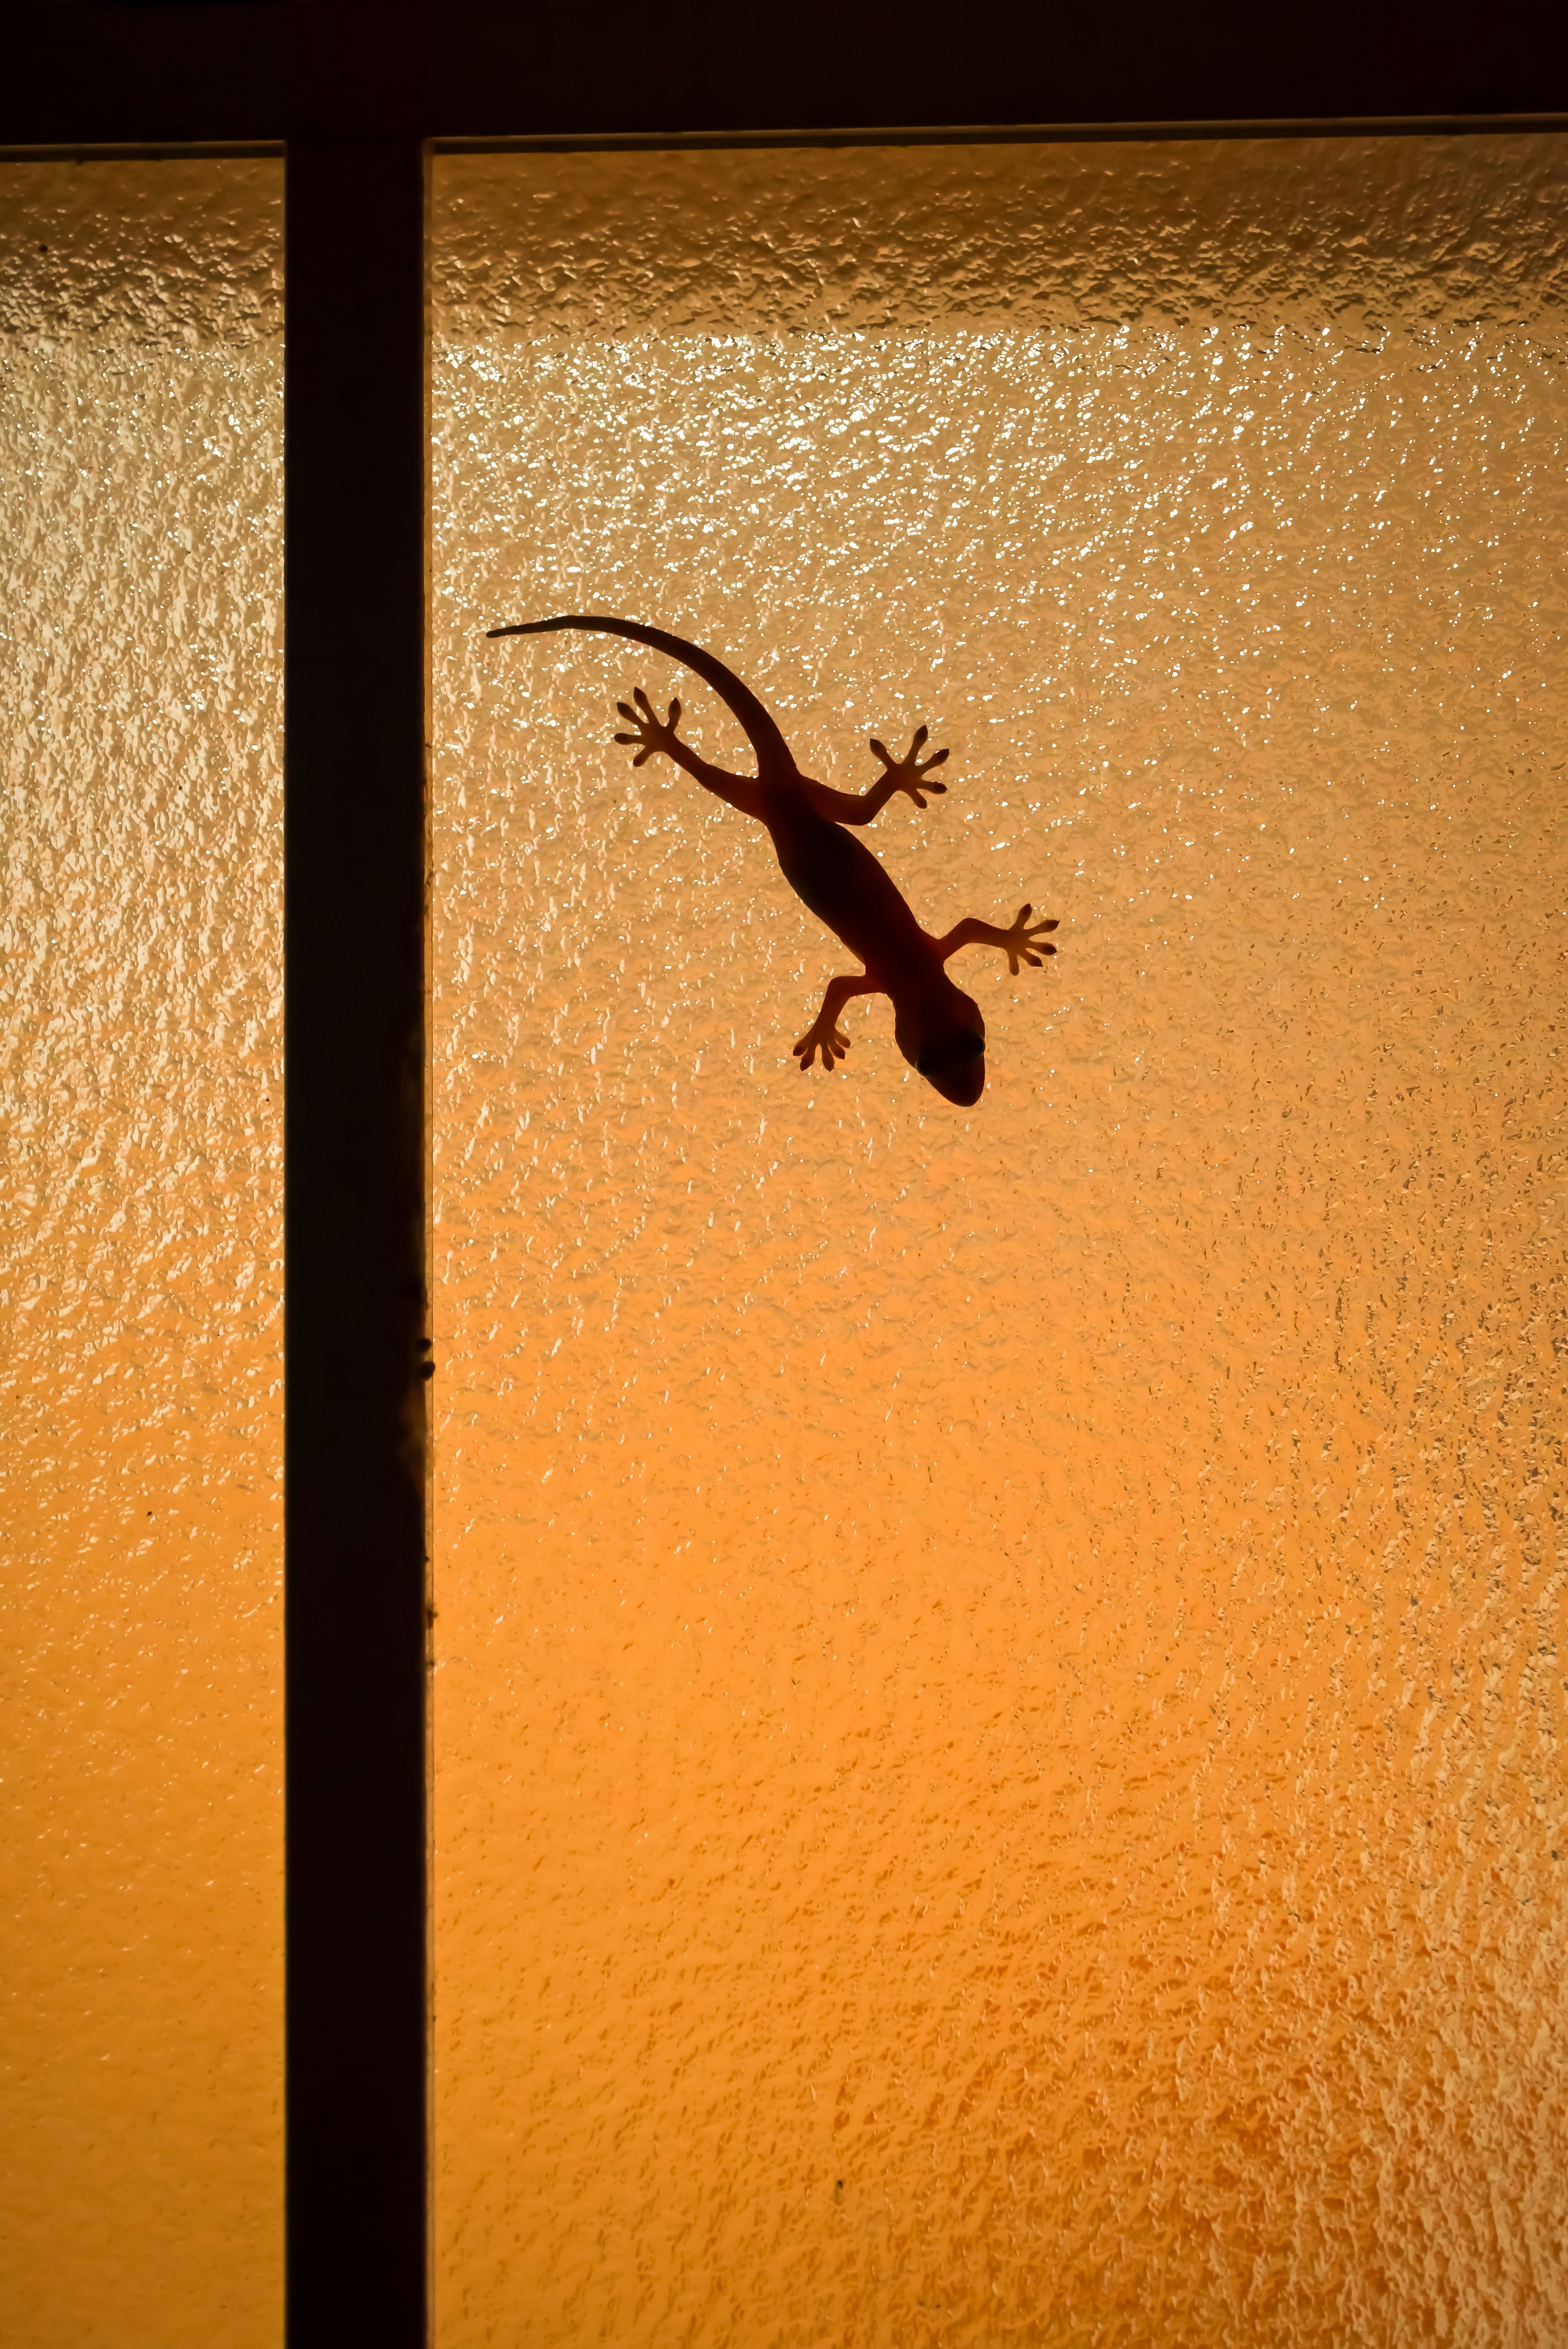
965,1045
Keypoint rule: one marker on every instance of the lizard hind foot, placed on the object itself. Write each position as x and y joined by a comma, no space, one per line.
912,773
650,733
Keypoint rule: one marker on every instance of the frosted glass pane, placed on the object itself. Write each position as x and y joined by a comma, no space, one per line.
999,1706
140,410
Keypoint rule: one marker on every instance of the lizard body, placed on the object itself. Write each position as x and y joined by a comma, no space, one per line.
938,1028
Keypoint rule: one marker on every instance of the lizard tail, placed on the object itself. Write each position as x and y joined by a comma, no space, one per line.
774,762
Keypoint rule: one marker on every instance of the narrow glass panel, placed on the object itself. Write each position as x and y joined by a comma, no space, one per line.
998,1722
140,410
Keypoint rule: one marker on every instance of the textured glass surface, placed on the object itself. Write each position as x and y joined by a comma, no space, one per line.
141,416
1000,1694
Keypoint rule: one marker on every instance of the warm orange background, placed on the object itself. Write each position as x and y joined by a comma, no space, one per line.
999,1697
140,1322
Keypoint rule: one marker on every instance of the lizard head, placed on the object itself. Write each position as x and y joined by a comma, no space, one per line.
944,1037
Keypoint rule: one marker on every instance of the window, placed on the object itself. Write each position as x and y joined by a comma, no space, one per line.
1179,1786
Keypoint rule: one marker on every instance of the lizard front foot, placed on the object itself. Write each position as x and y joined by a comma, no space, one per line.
1024,939
825,1036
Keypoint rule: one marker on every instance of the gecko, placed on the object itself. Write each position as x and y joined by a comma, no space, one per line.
938,1028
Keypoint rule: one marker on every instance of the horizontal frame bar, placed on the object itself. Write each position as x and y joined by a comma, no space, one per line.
970,134
973,134
162,151
1014,134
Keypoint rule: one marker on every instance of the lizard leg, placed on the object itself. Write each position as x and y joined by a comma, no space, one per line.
825,1035
1024,940
653,734
912,773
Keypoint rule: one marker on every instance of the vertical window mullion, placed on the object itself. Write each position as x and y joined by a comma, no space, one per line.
356,667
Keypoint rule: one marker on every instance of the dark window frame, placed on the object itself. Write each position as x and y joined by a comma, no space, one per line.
358,98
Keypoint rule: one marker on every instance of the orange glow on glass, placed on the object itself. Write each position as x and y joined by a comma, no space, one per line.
140,1048
998,1747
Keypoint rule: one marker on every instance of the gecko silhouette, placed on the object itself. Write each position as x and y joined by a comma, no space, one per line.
937,1028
